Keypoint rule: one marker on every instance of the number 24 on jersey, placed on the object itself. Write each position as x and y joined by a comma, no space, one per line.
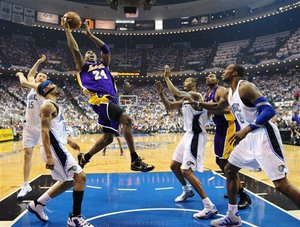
98,75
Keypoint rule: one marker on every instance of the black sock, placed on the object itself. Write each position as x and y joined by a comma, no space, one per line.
87,157
133,156
241,191
77,200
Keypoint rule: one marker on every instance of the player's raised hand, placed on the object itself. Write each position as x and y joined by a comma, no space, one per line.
167,71
65,24
87,28
158,87
42,59
18,74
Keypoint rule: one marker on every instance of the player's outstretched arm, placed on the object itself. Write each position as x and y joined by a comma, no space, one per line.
174,90
24,82
73,46
32,72
47,109
214,106
169,105
220,91
99,43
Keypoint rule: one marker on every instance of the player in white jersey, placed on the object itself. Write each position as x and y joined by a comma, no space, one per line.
31,126
63,166
258,143
189,154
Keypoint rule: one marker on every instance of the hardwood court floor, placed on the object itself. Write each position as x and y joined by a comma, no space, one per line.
156,149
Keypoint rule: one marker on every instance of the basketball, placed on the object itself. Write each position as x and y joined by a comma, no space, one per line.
73,19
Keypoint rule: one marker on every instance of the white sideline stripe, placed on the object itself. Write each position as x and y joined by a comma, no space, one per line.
69,191
219,187
127,189
210,179
272,204
261,193
95,187
155,209
167,188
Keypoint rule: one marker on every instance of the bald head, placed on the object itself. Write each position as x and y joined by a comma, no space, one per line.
212,80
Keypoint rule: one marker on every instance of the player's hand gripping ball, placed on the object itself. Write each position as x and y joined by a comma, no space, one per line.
73,19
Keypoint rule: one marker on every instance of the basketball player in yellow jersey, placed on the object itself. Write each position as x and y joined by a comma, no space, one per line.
226,126
258,143
31,126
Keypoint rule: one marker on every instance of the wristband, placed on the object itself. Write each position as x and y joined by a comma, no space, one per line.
105,49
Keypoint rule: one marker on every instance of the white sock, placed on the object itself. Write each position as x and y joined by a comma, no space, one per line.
185,188
232,208
207,203
45,198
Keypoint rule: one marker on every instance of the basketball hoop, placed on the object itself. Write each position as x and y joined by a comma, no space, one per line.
126,101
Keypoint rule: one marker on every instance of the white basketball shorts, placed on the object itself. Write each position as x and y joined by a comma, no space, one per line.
31,135
65,165
190,151
261,148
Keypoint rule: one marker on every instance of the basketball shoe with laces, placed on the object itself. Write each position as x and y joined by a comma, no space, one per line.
77,221
139,165
37,209
25,189
184,196
206,213
245,201
229,220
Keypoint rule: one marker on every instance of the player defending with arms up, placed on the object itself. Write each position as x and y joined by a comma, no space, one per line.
189,153
96,80
258,142
31,126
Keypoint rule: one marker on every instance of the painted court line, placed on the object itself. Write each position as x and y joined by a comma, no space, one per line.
166,188
261,193
155,209
263,199
94,187
219,187
127,189
210,179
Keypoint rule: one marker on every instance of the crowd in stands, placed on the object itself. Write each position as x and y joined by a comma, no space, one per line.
20,50
291,47
148,113
227,53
